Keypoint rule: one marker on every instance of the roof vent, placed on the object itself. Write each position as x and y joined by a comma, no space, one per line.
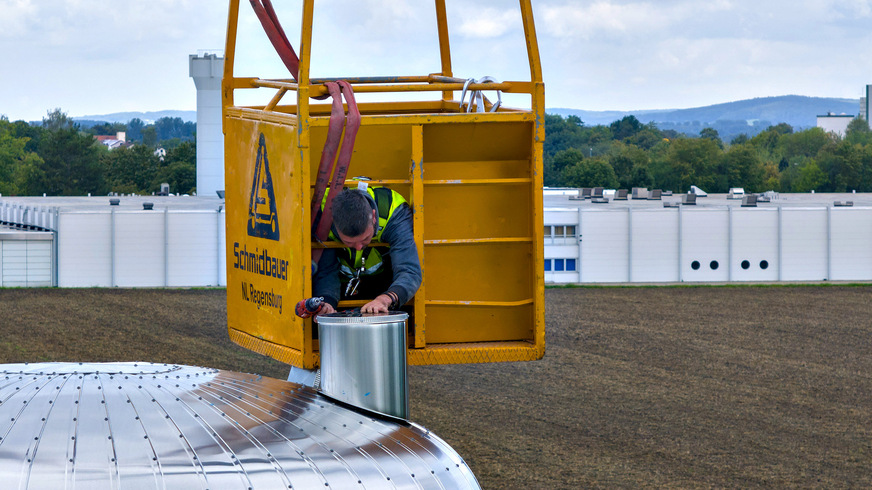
688,199
583,193
749,201
114,201
736,193
148,206
670,204
843,204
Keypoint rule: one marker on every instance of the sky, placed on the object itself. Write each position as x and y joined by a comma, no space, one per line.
90,57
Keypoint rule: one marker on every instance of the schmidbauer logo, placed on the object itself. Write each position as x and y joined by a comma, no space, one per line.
263,221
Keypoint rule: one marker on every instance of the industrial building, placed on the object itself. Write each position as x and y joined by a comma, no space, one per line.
835,123
127,241
179,242
670,239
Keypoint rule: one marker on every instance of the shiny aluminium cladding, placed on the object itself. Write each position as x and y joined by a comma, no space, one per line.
473,179
144,425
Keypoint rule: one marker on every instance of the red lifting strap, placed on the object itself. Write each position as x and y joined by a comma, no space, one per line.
276,34
270,21
352,124
328,156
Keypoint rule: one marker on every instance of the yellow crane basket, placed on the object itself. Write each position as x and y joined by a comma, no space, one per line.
472,179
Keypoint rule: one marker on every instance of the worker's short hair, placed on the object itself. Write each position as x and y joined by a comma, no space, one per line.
352,212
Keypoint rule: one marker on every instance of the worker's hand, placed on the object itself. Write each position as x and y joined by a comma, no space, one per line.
380,304
326,309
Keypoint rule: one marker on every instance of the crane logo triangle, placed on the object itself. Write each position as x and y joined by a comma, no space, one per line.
263,221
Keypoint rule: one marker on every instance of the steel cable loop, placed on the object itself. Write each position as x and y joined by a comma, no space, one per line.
477,98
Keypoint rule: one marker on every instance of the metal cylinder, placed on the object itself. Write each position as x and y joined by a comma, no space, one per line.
363,360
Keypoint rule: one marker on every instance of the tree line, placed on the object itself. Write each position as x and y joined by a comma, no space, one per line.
627,154
59,158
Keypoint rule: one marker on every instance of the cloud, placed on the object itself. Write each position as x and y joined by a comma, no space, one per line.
93,56
16,13
489,22
623,21
102,24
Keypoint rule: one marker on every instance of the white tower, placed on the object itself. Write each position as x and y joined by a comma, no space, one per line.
207,68
864,103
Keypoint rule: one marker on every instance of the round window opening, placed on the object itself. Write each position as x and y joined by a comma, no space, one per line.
714,265
694,265
764,264
745,264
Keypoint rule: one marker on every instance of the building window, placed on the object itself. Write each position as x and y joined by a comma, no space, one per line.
561,265
560,234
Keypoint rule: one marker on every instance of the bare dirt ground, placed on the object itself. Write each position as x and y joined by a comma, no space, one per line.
682,387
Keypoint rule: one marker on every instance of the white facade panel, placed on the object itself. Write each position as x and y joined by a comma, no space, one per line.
704,251
139,249
193,254
851,244
14,263
754,244
804,244
561,277
39,258
25,262
654,245
604,246
562,252
221,249
85,250
561,217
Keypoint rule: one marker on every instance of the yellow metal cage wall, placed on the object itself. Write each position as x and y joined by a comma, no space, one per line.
473,180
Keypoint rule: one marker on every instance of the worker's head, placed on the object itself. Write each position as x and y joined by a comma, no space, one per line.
354,218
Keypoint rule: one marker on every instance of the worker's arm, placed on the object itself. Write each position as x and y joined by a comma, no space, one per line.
404,255
325,281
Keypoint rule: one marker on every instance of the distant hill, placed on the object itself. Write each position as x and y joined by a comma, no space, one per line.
732,118
147,117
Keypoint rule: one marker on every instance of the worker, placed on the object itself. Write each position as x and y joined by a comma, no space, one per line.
390,275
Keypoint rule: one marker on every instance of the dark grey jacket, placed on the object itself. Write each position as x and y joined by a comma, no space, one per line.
404,262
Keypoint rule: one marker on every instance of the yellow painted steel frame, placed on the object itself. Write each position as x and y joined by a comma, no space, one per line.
473,180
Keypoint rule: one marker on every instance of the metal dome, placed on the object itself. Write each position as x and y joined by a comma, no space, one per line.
143,425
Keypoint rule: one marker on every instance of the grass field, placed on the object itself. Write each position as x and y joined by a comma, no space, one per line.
687,387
